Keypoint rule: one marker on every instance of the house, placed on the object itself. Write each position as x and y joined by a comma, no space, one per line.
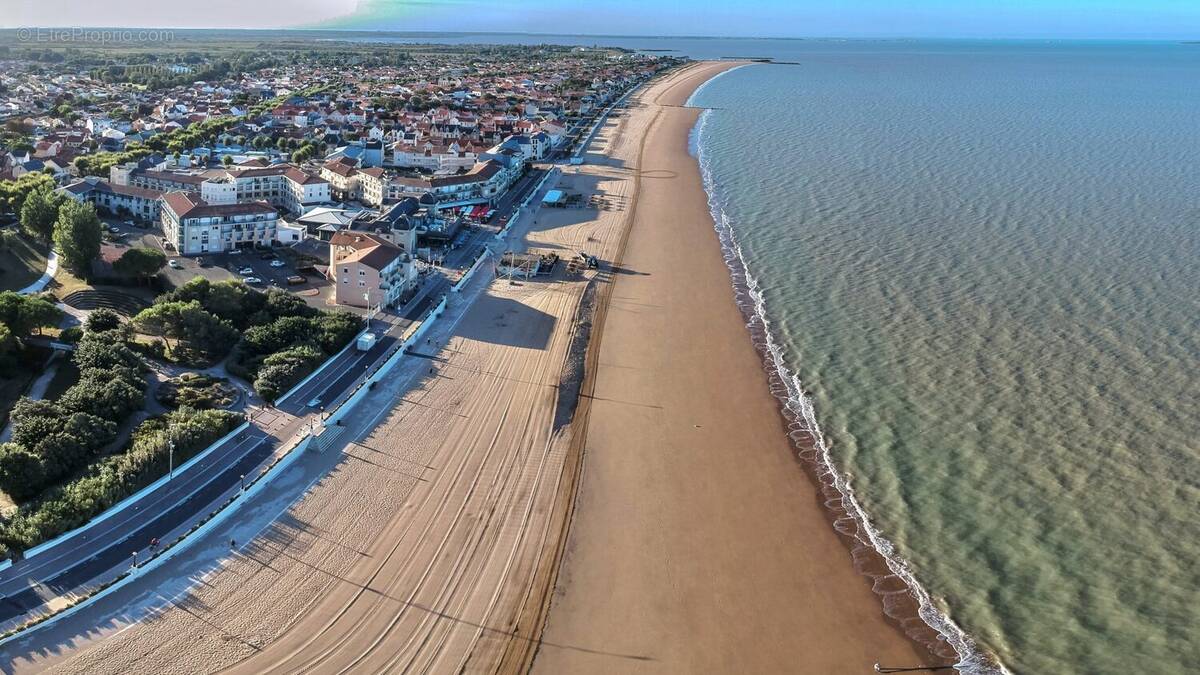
369,271
342,175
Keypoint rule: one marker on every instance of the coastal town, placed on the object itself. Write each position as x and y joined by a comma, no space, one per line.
415,154
211,260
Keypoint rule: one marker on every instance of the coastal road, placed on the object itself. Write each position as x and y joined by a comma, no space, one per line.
108,544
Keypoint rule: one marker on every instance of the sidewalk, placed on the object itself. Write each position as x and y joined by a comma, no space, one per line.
52,576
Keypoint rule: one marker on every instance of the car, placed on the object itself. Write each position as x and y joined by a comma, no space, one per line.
277,263
236,251
115,232
129,223
253,280
174,264
246,271
315,403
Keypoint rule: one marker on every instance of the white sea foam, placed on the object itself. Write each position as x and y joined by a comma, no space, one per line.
798,408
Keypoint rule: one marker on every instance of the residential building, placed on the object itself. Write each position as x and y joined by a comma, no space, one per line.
194,225
369,271
119,200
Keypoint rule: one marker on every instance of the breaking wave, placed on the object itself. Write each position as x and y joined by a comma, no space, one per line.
893,580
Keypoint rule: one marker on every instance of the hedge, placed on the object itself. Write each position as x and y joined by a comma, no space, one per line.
116,477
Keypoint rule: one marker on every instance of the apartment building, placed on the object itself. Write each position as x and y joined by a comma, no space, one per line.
369,271
119,200
284,186
212,220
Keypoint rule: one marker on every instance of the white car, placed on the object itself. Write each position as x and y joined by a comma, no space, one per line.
246,271
277,263
175,264
253,280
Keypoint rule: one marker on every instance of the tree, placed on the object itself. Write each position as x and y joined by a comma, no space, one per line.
227,160
32,420
25,313
77,236
190,323
39,212
101,320
21,472
105,351
140,262
100,395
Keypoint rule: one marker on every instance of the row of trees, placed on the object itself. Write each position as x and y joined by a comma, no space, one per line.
53,439
13,193
108,481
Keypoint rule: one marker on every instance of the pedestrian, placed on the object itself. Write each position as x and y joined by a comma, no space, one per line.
154,543
232,544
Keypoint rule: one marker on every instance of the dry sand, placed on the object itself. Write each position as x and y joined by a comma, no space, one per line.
432,542
698,543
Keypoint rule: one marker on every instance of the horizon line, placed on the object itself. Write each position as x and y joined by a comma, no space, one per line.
798,38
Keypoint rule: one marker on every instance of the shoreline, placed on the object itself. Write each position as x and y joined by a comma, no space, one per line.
592,539
905,602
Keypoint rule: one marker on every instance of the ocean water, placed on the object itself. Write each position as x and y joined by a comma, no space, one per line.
976,268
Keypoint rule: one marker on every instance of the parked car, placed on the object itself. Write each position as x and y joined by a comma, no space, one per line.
253,280
277,263
246,271
295,280
174,264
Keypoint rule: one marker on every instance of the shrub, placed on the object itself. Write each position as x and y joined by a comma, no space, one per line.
281,371
70,335
101,320
69,506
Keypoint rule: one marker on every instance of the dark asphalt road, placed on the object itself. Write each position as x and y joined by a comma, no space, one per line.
106,553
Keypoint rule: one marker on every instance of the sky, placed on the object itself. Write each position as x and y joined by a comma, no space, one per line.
1134,19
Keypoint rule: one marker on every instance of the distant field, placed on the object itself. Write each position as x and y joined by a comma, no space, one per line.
21,262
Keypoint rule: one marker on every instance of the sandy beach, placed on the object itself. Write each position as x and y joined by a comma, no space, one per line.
698,543
463,528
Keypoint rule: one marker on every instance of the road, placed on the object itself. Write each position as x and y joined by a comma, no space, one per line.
101,550
108,545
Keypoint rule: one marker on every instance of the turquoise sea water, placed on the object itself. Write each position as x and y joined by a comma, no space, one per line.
983,261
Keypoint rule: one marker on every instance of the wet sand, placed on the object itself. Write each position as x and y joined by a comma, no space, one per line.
698,543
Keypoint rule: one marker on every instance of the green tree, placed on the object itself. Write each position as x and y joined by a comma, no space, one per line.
140,262
24,314
77,236
39,212
21,472
99,394
101,320
190,323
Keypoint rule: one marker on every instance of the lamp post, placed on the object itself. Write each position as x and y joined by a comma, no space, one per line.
171,460
243,482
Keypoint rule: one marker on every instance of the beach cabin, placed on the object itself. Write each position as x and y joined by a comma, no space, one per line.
555,198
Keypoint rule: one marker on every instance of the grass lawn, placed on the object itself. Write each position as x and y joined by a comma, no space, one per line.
22,261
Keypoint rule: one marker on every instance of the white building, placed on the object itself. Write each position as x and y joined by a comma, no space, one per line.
193,225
